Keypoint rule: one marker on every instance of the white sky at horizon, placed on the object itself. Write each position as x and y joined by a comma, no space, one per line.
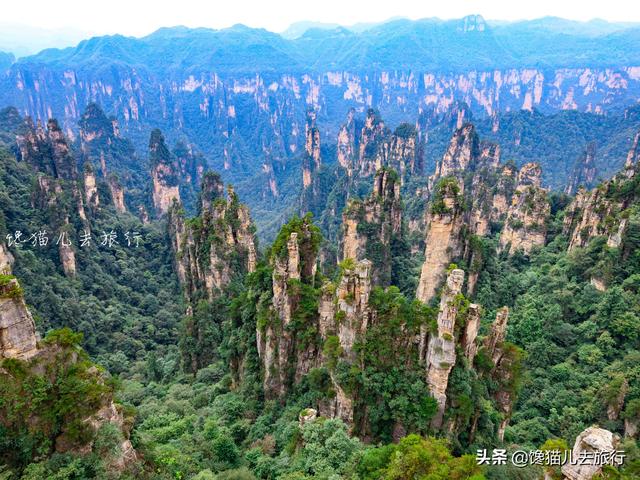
129,17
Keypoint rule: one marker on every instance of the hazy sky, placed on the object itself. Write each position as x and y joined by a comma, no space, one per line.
131,17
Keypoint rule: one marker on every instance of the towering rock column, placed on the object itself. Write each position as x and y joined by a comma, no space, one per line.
472,326
344,315
633,157
310,200
463,149
164,174
368,226
525,226
373,148
311,160
441,352
506,362
17,329
225,229
348,143
584,171
443,242
285,356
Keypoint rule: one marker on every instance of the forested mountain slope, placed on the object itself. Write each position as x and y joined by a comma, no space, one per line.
437,314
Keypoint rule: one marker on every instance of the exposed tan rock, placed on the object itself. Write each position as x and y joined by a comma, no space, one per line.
590,214
633,157
405,151
373,149
593,439
525,226
463,148
294,267
584,171
441,351
344,312
117,194
505,362
225,229
6,259
347,143
381,213
471,328
91,189
497,334
163,193
442,241
311,161
615,405
306,416
18,337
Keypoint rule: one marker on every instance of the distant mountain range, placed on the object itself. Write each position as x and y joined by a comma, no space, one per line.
430,43
240,95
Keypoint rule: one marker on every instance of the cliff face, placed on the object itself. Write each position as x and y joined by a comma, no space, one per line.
441,350
598,212
286,353
366,148
215,247
443,239
17,329
345,316
462,150
311,163
584,171
505,360
48,152
107,154
591,440
370,225
164,174
349,142
525,226
212,103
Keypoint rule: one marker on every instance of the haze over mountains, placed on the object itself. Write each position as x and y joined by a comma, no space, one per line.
240,95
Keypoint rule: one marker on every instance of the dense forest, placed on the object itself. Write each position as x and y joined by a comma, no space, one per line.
399,320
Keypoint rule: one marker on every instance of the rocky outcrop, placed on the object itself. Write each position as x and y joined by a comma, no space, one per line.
6,260
441,350
90,187
373,148
310,200
117,194
349,142
598,212
344,317
284,354
370,225
18,337
443,240
164,174
311,160
366,148
461,152
525,226
586,465
49,152
405,151
633,158
497,335
469,344
506,359
584,171
215,247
